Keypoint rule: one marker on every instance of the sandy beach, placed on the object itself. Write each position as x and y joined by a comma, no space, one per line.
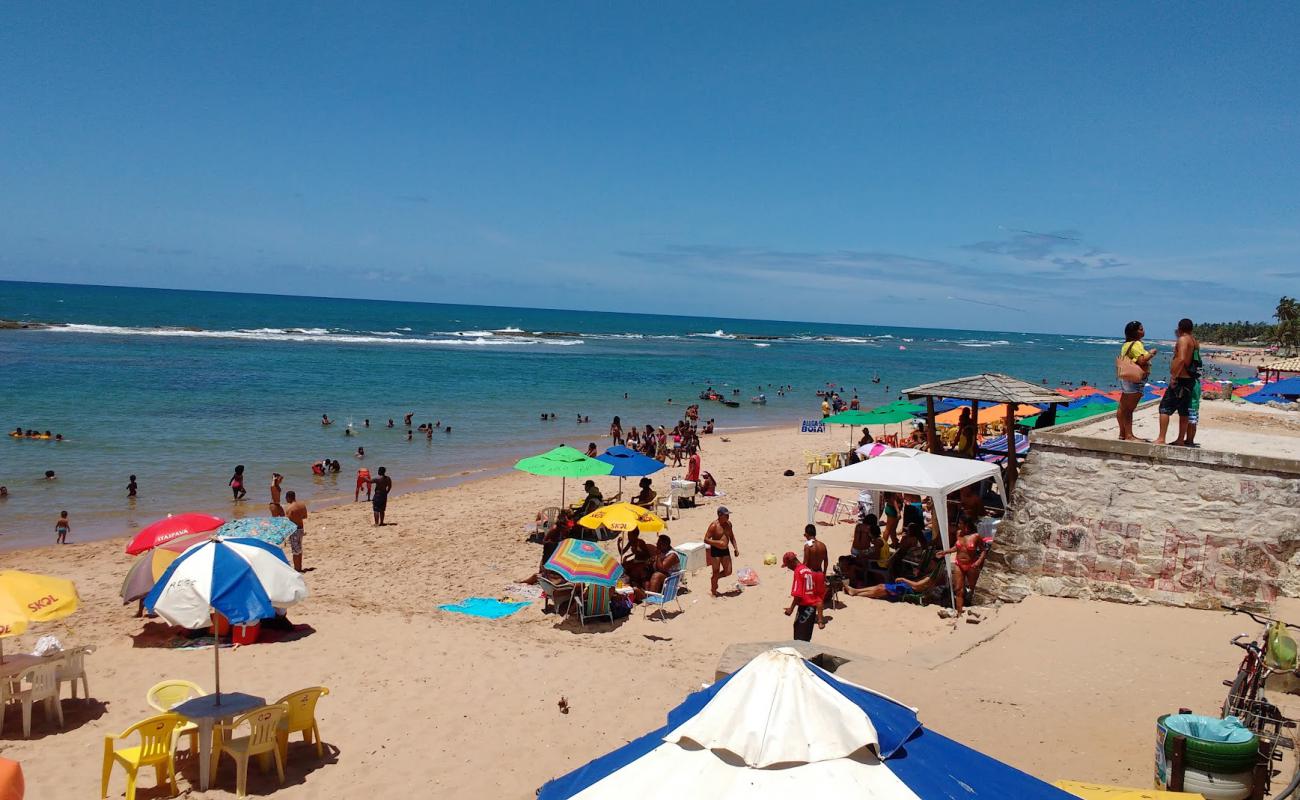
464,706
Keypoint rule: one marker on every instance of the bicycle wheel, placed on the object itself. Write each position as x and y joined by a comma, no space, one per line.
1234,703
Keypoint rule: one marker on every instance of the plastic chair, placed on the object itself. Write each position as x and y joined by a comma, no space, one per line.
74,668
166,695
552,590
157,749
668,504
263,741
594,602
668,595
41,686
813,460
301,717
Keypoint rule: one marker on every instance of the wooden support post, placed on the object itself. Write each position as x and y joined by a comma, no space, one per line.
931,440
975,428
1177,763
1012,469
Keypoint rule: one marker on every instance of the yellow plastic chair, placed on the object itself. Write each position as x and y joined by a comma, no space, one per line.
262,741
301,718
166,695
813,460
157,749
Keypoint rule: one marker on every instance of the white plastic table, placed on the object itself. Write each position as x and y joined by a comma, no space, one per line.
17,662
205,713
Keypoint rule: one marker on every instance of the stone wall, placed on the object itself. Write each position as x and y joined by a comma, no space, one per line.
1132,522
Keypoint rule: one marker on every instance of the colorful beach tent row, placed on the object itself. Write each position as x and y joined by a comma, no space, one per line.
781,726
1073,415
1287,391
987,414
995,450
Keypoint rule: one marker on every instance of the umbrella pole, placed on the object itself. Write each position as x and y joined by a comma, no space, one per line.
216,652
2,651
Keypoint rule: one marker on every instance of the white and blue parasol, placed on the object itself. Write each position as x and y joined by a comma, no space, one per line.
781,726
244,580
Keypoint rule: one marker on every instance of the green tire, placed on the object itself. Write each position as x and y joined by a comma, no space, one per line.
1226,757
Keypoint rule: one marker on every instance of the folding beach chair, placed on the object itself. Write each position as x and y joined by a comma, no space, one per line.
669,595
556,593
836,508
594,602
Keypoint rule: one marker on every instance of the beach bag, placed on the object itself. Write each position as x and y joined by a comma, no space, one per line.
747,576
1127,369
47,646
770,559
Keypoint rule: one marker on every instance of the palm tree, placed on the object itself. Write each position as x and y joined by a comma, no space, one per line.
1288,324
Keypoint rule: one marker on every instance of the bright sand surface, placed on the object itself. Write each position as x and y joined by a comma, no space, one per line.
437,705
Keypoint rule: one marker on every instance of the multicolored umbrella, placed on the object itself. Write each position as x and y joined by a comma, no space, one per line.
622,517
28,597
273,530
583,562
563,462
149,566
173,527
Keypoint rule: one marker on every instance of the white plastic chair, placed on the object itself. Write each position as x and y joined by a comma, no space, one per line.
668,504
41,686
74,668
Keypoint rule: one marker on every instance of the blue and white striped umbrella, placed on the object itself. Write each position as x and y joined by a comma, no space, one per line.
243,579
269,529
781,726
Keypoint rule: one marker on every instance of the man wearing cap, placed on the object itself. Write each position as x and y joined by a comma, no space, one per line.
806,595
719,537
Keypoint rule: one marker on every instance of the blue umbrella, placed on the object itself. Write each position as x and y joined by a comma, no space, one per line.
273,530
628,463
722,743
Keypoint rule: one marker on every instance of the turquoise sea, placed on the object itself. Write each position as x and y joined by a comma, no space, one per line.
178,387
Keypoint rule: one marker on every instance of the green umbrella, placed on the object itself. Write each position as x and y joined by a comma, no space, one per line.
1074,414
563,462
900,411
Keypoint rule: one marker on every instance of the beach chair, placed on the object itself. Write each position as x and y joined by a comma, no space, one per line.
38,684
830,505
668,504
654,501
157,749
661,599
262,741
74,669
594,602
813,460
166,695
549,516
552,591
301,718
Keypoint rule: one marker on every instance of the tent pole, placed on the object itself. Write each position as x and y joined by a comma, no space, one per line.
929,426
216,651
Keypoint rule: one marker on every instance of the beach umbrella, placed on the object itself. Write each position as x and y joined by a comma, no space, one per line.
172,527
583,562
563,462
28,597
150,565
628,463
781,725
244,580
874,449
622,517
273,530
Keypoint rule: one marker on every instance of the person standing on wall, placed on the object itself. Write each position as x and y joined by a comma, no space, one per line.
1183,375
1133,366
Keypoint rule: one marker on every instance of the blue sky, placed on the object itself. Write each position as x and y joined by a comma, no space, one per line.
1038,166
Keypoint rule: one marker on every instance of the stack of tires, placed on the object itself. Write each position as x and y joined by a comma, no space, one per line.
1216,770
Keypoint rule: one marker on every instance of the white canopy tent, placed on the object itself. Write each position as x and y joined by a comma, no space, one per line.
912,472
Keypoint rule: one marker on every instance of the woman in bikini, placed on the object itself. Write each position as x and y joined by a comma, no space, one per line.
970,551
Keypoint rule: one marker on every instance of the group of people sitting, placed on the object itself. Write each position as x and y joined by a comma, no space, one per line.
646,567
906,557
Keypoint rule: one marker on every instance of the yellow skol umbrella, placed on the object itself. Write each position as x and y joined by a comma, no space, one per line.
622,517
27,597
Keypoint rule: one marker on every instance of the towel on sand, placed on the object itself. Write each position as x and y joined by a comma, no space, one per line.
486,607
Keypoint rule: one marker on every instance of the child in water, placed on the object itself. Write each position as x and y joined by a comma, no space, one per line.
131,487
237,483
61,528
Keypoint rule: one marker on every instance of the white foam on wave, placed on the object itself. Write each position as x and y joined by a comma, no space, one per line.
475,334
1109,342
508,330
718,334
978,343
760,344
313,335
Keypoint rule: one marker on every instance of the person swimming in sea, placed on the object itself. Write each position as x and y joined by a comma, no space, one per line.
361,452
325,419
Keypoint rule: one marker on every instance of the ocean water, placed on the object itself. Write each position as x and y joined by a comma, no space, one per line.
178,387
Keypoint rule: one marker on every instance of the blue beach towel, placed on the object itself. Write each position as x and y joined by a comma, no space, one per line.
486,607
